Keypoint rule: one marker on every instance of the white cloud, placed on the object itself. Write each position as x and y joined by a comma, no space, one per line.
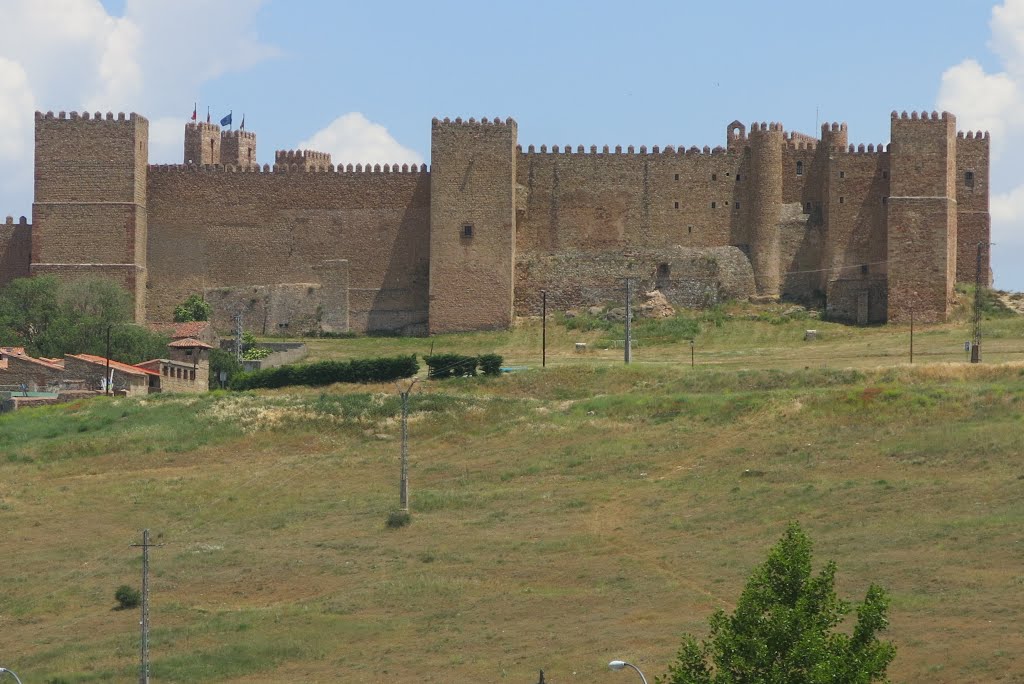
995,102
354,139
71,54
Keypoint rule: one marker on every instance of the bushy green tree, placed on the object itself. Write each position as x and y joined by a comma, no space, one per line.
51,318
783,629
221,360
194,308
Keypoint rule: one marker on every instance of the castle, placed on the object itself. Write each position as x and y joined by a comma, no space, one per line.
874,233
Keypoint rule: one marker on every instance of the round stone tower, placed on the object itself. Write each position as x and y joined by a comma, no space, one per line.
766,141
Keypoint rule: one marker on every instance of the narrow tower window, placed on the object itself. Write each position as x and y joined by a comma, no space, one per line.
677,204
969,179
467,230
714,176
677,176
799,168
714,205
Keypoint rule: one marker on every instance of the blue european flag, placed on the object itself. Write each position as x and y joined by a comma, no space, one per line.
226,121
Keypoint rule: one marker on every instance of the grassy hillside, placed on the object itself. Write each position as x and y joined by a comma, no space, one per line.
560,518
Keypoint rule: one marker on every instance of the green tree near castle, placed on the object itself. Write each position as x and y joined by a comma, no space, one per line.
783,630
194,308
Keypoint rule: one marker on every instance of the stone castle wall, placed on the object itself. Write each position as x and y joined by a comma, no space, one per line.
215,228
15,249
876,231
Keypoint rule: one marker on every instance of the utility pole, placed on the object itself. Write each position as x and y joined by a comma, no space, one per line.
144,622
544,328
238,337
106,380
691,354
911,334
628,342
976,347
403,481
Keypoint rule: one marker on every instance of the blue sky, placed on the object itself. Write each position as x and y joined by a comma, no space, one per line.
364,79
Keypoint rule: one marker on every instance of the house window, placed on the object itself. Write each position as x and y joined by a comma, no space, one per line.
467,230
676,204
969,179
714,205
799,168
192,375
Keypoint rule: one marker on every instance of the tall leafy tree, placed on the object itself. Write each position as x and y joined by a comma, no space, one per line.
783,630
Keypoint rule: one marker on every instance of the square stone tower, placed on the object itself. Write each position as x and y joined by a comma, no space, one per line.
922,221
90,199
472,224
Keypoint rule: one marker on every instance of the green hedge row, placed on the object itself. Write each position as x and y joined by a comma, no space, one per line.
442,366
381,369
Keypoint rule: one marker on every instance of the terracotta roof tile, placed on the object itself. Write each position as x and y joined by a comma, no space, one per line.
189,343
123,367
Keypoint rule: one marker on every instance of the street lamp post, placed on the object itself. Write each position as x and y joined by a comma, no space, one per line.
620,664
4,670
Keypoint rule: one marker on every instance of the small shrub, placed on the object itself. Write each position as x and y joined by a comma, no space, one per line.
384,369
257,353
442,366
397,519
194,308
490,364
127,597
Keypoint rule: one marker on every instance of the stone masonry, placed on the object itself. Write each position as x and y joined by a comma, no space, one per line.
870,232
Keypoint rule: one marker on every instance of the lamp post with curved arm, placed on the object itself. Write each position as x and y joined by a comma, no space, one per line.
4,670
620,664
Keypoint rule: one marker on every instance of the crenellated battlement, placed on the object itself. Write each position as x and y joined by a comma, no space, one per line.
833,127
290,168
765,127
607,150
972,135
459,121
243,135
299,156
9,221
864,149
95,117
802,144
921,116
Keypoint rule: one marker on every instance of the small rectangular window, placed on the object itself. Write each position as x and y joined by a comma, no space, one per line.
842,174
864,269
689,229
726,202
885,174
799,168
714,176
713,205
842,199
807,208
677,176
737,178
467,230
737,204
677,204
885,200
969,179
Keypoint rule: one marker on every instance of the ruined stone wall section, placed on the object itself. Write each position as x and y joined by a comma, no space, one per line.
15,249
226,226
89,213
472,224
922,216
973,219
